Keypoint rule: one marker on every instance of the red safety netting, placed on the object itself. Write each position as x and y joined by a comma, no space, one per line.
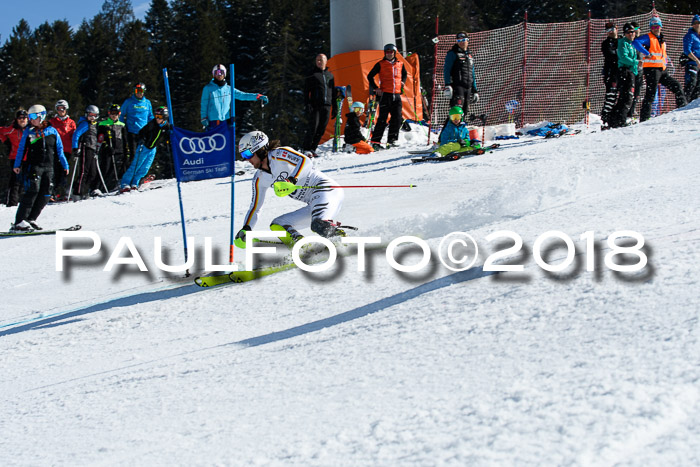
532,72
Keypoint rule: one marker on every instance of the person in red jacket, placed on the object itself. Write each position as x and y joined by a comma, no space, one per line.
65,126
392,77
11,135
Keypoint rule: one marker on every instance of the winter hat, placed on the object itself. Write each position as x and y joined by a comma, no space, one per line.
21,113
627,28
609,26
462,35
696,19
655,21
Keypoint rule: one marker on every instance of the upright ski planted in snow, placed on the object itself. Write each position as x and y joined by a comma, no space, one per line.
339,97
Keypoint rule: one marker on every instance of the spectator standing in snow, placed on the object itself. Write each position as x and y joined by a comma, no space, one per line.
460,74
42,144
691,49
216,99
11,136
319,103
639,79
653,48
136,112
353,133
392,77
154,132
627,69
87,177
610,70
65,126
284,164
111,135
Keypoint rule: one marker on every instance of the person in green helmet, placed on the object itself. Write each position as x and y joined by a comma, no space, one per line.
454,135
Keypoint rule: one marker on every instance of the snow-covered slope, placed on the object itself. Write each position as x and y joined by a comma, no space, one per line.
380,367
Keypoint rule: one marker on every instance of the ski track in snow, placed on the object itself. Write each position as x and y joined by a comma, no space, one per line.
375,368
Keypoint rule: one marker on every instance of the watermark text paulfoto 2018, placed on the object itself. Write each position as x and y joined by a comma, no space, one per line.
457,251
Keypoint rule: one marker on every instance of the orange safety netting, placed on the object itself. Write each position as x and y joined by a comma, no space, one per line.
547,71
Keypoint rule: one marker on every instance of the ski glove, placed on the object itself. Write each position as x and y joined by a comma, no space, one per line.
475,98
240,236
205,122
447,92
263,99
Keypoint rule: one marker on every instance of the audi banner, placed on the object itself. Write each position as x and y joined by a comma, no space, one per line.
200,156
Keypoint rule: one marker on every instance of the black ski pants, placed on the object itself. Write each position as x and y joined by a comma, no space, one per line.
111,164
389,105
60,179
638,84
38,183
14,187
461,96
318,120
625,83
86,176
610,79
653,77
692,82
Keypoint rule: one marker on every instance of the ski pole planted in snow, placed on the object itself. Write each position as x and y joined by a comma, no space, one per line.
285,188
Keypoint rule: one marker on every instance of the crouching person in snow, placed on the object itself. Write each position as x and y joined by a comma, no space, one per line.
149,136
454,136
42,145
353,135
283,164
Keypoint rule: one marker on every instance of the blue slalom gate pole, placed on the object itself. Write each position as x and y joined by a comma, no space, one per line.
177,172
233,154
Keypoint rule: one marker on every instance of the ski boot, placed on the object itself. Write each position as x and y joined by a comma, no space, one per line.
291,234
34,225
328,228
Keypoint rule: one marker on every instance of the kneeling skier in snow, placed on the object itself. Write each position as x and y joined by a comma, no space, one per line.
284,164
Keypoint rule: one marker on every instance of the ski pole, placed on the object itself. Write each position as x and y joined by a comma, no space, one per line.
72,178
285,188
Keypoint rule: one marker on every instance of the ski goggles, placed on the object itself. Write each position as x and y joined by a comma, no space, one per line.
34,115
92,116
246,154
219,72
463,39
139,89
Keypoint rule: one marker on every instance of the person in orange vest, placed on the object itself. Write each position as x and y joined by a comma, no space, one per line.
392,77
653,48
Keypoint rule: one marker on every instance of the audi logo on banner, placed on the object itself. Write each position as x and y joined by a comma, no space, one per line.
202,144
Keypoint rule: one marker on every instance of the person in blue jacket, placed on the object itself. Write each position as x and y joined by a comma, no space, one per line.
155,131
454,136
216,99
136,112
691,49
42,145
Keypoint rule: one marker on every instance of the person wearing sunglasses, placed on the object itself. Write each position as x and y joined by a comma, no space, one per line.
460,74
42,144
610,71
392,77
65,127
11,136
155,132
653,48
137,111
284,164
111,134
627,64
87,181
215,105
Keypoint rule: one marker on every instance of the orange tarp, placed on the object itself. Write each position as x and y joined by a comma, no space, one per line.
353,67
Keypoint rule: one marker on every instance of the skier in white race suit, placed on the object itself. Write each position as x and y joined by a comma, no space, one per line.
284,164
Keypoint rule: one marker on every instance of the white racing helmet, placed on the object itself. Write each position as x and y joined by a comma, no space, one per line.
251,143
38,111
218,68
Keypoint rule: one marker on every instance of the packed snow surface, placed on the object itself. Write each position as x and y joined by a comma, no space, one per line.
376,367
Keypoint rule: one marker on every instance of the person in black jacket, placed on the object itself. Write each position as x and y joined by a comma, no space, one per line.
459,74
353,133
318,102
610,71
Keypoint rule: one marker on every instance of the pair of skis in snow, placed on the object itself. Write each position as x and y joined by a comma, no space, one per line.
34,233
456,155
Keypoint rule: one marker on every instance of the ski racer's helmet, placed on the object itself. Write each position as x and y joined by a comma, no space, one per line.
37,111
161,111
655,21
92,109
61,103
358,105
114,108
140,87
389,47
251,143
218,69
456,110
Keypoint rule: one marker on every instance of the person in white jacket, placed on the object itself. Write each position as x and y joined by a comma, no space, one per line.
284,164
